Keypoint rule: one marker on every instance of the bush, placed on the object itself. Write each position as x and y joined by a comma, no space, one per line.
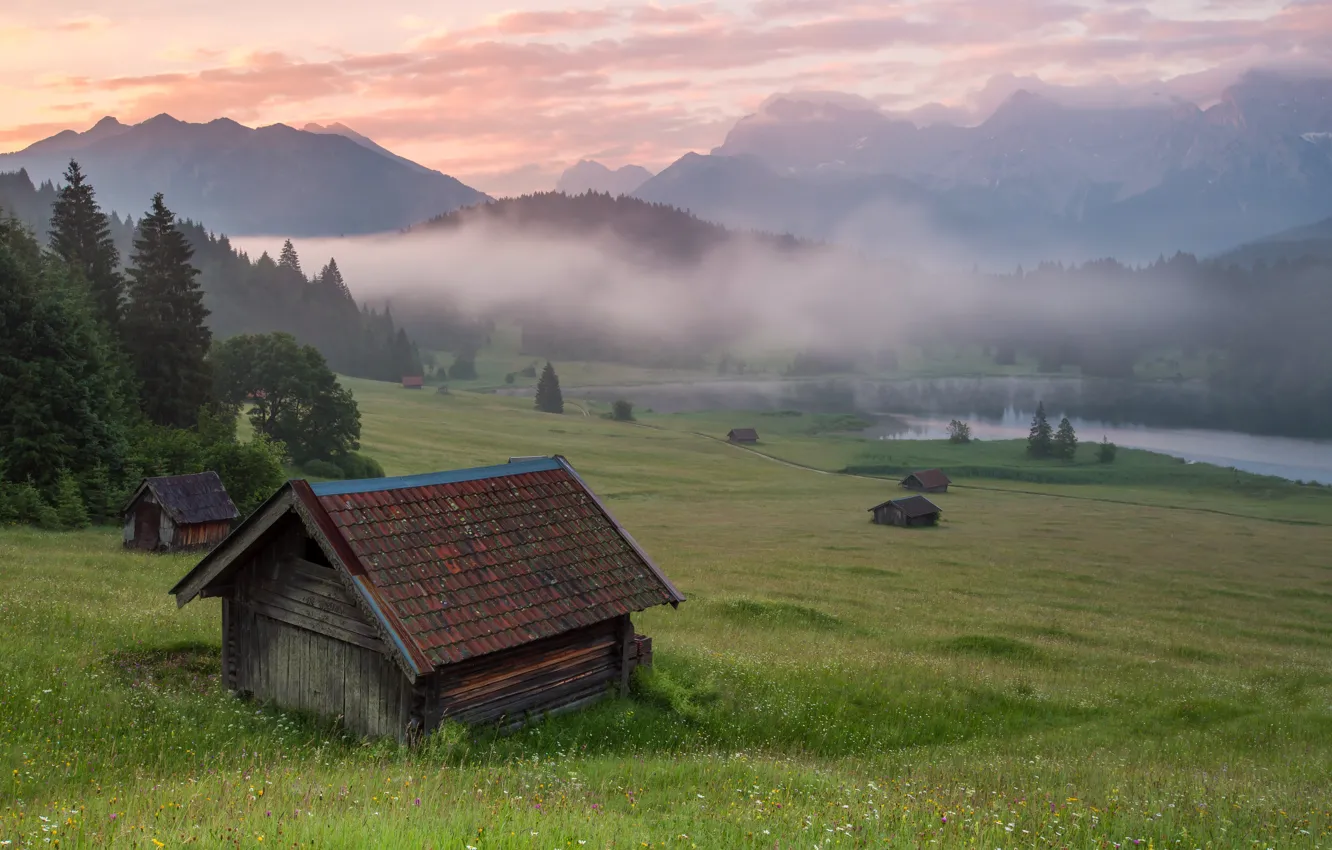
356,465
251,471
463,369
622,411
508,379
23,504
70,512
1105,452
529,372
323,469
959,432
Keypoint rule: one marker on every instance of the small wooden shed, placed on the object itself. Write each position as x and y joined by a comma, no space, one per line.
483,595
911,511
742,435
178,512
413,382
927,481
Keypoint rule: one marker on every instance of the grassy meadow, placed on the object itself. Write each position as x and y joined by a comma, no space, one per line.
1126,659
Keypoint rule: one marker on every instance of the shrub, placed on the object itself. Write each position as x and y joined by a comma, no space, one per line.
323,469
463,368
70,512
23,504
251,471
508,379
355,465
529,371
1105,452
622,411
959,432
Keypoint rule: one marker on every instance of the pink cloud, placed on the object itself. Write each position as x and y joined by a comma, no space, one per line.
654,81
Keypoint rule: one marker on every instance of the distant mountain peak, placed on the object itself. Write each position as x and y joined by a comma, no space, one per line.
591,176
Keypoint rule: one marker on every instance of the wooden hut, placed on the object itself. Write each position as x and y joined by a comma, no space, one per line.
413,382
927,481
911,511
178,512
742,435
480,595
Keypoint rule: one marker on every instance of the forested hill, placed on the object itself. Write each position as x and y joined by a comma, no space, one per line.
657,232
260,295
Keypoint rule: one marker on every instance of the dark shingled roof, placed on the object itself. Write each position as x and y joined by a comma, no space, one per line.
745,435
929,478
189,499
912,506
476,561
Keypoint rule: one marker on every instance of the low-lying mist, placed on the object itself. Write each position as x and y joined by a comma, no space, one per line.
803,297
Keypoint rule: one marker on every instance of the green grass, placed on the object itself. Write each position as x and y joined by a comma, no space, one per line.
1070,669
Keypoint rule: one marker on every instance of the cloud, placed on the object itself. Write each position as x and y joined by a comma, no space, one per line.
552,86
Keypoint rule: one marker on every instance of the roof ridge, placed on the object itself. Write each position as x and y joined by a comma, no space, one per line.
427,479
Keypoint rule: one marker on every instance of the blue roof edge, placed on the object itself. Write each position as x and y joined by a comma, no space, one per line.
371,485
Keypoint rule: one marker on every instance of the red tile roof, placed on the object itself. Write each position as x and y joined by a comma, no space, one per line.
474,566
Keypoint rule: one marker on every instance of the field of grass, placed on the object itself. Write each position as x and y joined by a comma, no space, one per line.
1042,670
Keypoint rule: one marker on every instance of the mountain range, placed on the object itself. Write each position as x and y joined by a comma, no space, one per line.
590,176
275,179
1039,178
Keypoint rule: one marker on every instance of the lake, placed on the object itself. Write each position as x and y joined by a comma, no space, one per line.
1285,457
1001,408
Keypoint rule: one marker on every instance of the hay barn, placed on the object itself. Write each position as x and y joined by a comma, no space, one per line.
911,511
178,512
413,382
927,481
742,435
487,595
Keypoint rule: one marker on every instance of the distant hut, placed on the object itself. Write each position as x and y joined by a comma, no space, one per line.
178,512
910,511
927,481
483,596
413,382
742,435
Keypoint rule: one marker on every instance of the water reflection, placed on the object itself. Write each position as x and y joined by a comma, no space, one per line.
1294,459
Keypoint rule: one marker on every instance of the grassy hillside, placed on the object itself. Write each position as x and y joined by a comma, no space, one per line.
1042,670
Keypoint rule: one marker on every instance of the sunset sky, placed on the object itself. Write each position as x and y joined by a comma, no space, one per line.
507,99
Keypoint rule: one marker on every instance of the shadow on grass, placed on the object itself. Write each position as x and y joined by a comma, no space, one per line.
187,666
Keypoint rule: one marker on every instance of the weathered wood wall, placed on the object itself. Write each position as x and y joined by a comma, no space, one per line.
293,634
561,672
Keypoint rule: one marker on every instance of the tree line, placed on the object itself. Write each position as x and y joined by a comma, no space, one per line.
255,295
111,373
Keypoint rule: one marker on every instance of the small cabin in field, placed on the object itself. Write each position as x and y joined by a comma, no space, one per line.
927,481
178,512
484,596
742,435
911,511
413,382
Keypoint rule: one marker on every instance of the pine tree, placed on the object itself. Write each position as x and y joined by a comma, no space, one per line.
81,236
289,260
164,328
1065,441
549,399
1040,442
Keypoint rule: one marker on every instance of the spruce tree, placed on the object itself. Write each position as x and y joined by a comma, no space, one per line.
81,236
289,260
164,328
1065,441
549,399
1040,442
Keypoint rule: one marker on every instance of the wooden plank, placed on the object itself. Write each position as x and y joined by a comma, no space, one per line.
317,621
603,670
222,558
511,675
626,628
288,589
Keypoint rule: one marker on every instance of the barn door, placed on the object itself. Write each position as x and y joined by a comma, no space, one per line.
146,521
